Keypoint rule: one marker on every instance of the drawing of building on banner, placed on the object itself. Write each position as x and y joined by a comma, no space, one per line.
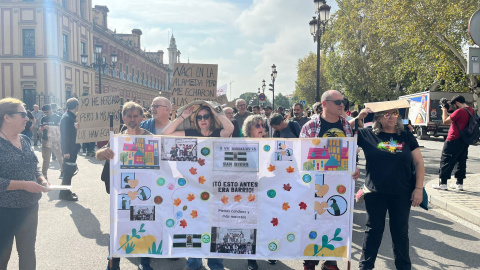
332,157
140,154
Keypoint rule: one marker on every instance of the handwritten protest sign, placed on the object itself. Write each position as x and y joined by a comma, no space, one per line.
222,99
192,82
94,116
204,197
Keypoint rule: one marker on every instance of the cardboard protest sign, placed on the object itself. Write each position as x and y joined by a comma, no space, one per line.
232,198
192,82
94,116
222,99
387,105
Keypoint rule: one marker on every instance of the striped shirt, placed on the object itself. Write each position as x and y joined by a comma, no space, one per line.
311,129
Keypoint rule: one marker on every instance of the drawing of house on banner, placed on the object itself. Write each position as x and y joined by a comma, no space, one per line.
138,155
333,157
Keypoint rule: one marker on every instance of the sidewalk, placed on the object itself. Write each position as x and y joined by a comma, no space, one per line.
465,204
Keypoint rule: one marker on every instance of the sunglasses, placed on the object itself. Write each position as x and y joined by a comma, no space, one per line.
394,114
204,117
155,106
337,102
260,126
22,114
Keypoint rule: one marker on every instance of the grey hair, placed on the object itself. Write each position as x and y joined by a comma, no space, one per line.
249,121
377,125
165,102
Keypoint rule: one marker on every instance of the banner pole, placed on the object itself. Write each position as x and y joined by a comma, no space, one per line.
110,259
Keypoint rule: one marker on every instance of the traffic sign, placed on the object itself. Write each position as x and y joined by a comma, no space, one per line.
262,97
474,27
302,102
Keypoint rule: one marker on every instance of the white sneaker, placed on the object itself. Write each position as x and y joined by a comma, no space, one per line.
440,187
456,186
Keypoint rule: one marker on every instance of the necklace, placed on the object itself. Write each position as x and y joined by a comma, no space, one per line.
11,141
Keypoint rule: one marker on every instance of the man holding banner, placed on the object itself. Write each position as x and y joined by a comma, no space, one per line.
329,124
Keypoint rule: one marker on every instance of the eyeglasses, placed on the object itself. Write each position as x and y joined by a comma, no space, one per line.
204,117
337,102
387,115
22,114
260,125
155,106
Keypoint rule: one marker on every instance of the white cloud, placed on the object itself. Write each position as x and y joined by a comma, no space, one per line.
240,52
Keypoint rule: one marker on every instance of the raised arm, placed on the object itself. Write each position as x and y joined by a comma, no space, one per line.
170,129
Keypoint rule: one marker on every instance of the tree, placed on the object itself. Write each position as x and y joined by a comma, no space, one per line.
252,99
282,101
123,157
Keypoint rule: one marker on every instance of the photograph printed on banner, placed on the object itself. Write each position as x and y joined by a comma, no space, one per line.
142,212
179,149
233,241
283,151
236,157
187,241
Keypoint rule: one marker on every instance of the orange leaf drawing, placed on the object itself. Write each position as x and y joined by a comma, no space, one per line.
290,169
251,198
201,179
237,198
271,168
193,171
177,202
224,199
194,214
190,197
285,206
183,223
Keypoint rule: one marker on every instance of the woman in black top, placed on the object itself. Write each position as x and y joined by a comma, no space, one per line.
390,152
204,125
21,185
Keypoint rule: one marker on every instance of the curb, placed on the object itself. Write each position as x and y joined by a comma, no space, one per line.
440,200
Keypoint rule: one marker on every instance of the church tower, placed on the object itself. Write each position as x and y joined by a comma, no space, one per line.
173,53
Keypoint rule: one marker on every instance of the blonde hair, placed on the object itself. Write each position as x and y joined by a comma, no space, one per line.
377,125
7,106
249,121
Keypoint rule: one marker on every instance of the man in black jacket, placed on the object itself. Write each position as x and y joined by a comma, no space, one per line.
68,133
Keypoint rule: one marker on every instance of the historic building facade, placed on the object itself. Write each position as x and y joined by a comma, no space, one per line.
41,43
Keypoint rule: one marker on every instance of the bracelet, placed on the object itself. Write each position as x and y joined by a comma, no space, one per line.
182,117
418,187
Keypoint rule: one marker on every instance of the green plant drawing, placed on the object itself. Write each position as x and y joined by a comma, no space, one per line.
144,160
129,248
134,235
326,242
308,166
123,157
155,250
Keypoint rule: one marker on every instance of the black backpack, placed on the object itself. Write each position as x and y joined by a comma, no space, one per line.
471,133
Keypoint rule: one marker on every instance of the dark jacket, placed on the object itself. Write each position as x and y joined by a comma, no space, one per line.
68,133
149,125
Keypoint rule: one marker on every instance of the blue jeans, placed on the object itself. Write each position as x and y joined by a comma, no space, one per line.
213,264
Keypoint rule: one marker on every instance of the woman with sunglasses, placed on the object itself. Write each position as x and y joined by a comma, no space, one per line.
204,124
21,185
390,152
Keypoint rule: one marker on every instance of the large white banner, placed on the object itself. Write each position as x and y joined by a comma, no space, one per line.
232,198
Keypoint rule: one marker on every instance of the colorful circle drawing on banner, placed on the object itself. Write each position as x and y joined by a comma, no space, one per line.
158,200
182,182
205,151
290,237
341,189
205,196
312,235
337,205
144,193
271,193
184,208
266,148
206,238
273,246
171,186
123,202
170,223
179,215
307,178
161,181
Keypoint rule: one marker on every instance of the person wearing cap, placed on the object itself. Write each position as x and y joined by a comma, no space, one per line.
394,177
455,150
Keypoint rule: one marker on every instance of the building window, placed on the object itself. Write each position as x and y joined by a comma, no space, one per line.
82,8
65,47
82,48
64,3
28,42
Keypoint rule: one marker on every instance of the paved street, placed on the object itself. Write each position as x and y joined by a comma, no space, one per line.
75,235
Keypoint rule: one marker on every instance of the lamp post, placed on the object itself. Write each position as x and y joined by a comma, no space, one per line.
273,76
99,63
317,28
258,97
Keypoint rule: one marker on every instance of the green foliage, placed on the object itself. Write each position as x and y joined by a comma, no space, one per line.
306,83
252,99
130,237
326,243
129,248
281,100
123,157
155,249
308,166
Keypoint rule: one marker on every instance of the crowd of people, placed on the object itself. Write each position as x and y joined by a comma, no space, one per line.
394,179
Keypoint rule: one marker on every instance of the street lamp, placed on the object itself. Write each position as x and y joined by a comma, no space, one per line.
99,63
273,76
317,28
258,97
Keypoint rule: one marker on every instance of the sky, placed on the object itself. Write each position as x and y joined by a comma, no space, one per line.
244,37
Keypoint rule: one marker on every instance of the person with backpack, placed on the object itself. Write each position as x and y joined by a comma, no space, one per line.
284,128
455,149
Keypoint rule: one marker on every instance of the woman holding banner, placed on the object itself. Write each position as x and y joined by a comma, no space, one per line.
204,126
